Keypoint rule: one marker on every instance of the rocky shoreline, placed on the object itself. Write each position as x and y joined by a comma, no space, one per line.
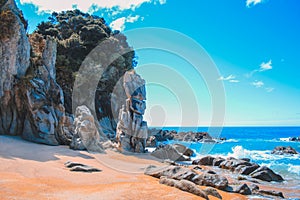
227,174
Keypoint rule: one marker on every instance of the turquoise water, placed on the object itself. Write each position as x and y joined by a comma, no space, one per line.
255,143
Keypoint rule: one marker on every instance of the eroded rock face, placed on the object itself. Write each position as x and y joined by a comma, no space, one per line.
31,102
86,135
132,131
14,61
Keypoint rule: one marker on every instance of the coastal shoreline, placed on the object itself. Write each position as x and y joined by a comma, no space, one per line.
36,171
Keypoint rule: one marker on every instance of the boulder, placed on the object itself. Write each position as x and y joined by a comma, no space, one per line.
212,192
266,174
184,185
86,134
243,189
212,180
174,172
171,152
284,150
246,170
271,193
217,161
79,167
207,160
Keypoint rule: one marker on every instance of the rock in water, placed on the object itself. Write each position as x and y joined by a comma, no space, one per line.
284,150
266,174
86,135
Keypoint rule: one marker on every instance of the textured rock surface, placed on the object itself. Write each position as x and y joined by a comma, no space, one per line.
132,131
266,174
14,61
172,152
207,160
213,180
86,135
31,102
212,192
284,150
184,185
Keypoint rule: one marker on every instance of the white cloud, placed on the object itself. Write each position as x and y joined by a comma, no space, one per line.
265,66
234,81
230,78
119,24
87,5
253,2
258,84
270,89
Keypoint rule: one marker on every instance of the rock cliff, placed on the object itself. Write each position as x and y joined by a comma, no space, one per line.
38,72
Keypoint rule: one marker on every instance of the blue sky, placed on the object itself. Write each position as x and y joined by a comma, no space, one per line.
254,44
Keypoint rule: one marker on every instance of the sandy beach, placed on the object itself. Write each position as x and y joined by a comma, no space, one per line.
34,171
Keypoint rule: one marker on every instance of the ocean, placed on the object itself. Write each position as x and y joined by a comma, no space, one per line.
255,143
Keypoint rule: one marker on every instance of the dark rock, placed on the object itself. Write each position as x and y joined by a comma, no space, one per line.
271,193
71,164
254,188
170,152
79,167
212,191
246,159
184,185
212,180
207,160
243,189
84,168
294,139
217,161
232,164
174,172
246,170
197,168
284,150
211,172
183,149
266,174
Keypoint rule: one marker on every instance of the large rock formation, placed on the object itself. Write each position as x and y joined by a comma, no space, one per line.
14,61
31,102
132,131
86,135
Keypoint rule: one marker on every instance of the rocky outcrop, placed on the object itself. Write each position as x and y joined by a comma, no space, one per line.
184,185
165,135
132,131
86,135
174,152
182,173
31,102
284,150
14,61
241,166
266,174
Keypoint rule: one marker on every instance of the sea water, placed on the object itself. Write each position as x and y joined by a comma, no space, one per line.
255,143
